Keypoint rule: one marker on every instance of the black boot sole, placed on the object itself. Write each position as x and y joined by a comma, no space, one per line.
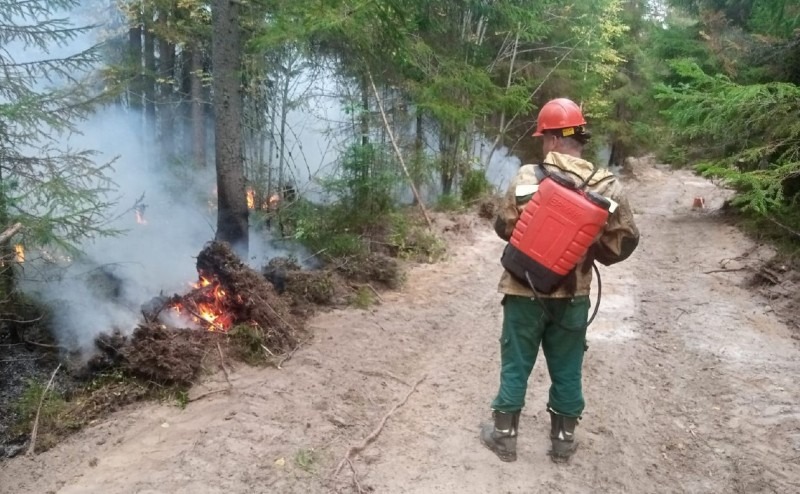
562,457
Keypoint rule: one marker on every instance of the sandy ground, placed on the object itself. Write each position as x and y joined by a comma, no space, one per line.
690,383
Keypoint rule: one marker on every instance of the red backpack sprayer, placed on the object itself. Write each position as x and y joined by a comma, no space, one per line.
554,233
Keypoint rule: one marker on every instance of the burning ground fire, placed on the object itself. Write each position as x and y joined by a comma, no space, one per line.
270,204
227,294
208,306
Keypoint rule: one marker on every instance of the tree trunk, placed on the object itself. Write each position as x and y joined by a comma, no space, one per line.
197,113
166,71
448,153
364,110
135,57
271,152
419,156
284,118
149,81
232,213
7,275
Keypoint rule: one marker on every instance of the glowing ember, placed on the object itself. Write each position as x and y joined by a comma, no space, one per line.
20,253
251,198
207,306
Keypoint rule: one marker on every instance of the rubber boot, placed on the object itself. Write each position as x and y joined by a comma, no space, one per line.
501,436
562,436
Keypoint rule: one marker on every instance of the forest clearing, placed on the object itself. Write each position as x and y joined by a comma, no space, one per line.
689,386
254,246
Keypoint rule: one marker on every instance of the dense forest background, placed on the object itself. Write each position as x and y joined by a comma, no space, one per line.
416,95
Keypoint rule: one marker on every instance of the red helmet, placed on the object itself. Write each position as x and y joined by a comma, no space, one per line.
559,113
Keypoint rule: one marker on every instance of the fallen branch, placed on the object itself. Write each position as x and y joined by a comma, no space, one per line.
290,354
268,351
35,430
378,295
359,490
368,440
45,345
725,270
788,229
385,374
399,154
281,319
205,395
10,232
380,299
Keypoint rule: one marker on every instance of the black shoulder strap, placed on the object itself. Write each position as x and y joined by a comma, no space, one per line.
541,172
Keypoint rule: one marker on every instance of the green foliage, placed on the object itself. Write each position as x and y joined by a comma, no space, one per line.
475,186
56,192
748,135
324,228
363,298
412,240
53,407
364,183
247,343
306,459
448,202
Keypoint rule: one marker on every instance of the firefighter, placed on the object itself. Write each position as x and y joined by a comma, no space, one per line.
556,321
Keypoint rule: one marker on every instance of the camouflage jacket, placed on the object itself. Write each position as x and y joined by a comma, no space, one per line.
616,243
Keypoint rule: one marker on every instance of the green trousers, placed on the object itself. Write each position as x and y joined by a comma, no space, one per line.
526,325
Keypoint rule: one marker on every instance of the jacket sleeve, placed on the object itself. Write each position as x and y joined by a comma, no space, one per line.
508,213
620,237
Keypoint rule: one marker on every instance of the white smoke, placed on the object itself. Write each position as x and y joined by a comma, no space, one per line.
105,287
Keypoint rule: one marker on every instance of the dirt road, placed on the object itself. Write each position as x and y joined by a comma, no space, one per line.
690,386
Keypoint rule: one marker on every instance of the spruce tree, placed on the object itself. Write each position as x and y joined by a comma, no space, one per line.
57,193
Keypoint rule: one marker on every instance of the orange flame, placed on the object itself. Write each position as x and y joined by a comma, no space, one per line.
204,282
251,198
211,310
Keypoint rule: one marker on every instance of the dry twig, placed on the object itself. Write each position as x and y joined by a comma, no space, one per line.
45,345
35,430
374,434
281,319
359,490
380,299
222,365
204,395
290,354
725,270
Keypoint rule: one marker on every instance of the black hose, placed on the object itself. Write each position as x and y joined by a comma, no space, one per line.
538,298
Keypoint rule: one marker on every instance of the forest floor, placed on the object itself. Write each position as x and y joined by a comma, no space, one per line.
690,384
